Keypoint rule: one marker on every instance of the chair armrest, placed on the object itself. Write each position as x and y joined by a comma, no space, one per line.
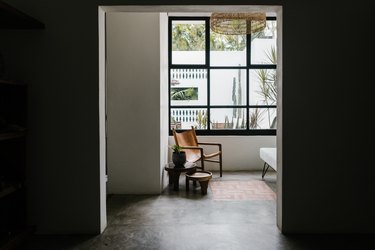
191,147
210,144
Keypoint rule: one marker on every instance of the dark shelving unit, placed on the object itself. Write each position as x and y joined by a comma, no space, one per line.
13,133
13,118
12,18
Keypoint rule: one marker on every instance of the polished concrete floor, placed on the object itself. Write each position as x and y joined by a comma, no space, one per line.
179,220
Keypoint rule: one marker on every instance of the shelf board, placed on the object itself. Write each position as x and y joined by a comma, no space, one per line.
8,190
11,135
15,239
12,18
11,83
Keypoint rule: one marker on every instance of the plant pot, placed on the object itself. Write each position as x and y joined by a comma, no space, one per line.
179,159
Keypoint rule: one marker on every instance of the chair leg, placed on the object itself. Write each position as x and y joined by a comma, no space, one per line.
264,171
170,179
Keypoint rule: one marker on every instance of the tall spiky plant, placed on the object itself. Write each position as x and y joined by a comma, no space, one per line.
254,118
201,119
267,82
226,122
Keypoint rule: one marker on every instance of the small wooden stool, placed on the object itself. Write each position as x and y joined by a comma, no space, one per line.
202,176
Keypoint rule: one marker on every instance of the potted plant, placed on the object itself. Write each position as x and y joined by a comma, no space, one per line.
178,156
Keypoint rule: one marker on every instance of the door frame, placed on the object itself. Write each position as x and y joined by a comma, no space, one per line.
102,10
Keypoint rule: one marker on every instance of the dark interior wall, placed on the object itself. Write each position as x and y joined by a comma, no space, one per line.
327,173
326,184
60,66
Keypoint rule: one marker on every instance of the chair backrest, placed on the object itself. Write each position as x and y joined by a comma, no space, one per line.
188,138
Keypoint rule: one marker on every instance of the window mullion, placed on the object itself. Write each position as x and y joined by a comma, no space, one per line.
248,62
208,72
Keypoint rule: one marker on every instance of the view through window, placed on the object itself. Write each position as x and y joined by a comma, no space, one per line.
222,84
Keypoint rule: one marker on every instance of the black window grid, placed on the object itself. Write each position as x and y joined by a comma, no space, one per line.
207,67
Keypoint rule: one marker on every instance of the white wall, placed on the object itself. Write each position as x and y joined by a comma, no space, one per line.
133,99
239,152
163,98
102,121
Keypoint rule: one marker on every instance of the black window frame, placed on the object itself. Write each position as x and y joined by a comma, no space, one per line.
208,131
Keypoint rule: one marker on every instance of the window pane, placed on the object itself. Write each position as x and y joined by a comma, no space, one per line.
263,45
263,89
228,118
262,118
188,42
185,118
228,87
188,87
227,50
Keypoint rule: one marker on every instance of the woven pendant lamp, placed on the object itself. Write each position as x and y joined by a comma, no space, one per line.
237,23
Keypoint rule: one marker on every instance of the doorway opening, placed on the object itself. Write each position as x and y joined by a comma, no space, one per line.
155,71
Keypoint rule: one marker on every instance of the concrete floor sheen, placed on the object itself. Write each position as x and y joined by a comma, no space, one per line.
189,220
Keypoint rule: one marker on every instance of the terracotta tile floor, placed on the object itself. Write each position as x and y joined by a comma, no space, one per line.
241,190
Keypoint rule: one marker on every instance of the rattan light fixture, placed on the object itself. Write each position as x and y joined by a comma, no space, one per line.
237,23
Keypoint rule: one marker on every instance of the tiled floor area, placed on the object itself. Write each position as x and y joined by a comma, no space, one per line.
180,220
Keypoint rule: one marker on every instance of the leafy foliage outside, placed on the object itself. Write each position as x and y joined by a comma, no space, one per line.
188,37
191,37
221,42
182,94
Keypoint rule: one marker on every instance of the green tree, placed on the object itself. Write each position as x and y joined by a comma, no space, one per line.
191,37
188,37
221,42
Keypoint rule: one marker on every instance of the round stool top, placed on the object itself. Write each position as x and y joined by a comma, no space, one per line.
188,167
200,175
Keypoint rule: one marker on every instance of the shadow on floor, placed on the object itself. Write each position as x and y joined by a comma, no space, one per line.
188,220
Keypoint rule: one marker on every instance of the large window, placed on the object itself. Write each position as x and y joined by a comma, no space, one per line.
221,84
